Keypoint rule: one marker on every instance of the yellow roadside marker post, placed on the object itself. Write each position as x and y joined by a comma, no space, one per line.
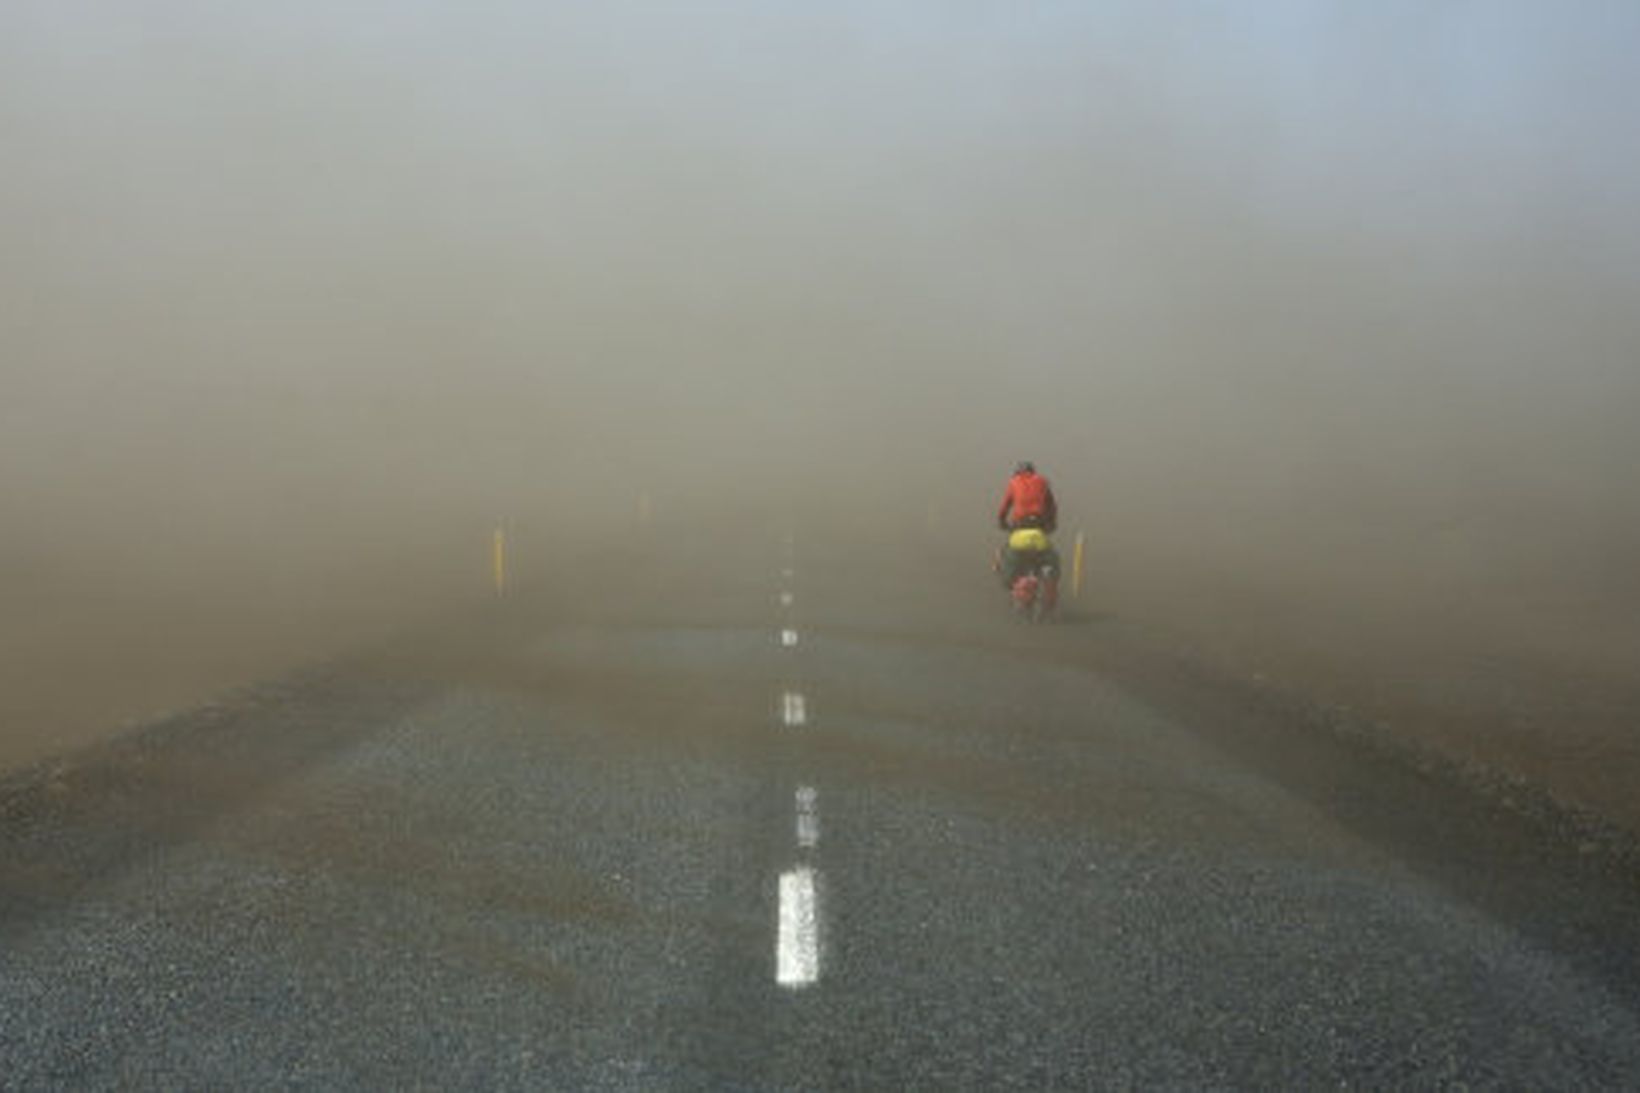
498,561
1076,566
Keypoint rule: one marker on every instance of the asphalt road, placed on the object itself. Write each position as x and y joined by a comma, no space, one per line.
765,813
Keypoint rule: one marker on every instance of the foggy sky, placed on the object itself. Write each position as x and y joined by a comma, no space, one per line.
1214,265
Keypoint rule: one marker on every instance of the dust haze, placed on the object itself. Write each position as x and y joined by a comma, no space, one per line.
1321,317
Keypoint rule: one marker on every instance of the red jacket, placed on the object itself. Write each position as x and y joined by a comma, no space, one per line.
1029,495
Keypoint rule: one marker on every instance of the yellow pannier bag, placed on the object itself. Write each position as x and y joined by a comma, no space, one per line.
1028,539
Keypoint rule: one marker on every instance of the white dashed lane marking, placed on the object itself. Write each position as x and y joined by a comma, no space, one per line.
808,817
797,933
797,947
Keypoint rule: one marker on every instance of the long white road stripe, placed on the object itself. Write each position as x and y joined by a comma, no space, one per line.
788,637
808,817
794,710
785,599
797,948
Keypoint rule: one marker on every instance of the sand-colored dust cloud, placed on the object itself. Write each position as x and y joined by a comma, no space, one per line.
1320,315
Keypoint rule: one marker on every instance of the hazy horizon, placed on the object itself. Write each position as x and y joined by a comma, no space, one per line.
1251,282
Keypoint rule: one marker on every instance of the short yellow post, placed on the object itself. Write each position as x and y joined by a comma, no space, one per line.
1076,565
498,561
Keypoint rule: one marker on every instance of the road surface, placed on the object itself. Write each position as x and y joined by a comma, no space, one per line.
789,811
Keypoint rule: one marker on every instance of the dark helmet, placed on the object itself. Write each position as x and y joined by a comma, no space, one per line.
1024,466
